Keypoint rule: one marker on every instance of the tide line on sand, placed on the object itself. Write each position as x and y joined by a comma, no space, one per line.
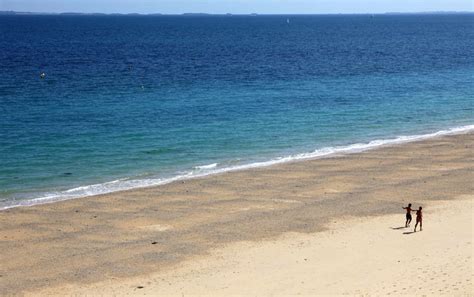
205,170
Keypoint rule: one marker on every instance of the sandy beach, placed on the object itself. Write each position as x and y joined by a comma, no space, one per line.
325,226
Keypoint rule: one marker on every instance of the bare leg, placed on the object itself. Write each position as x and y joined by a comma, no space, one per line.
406,223
421,228
415,226
409,221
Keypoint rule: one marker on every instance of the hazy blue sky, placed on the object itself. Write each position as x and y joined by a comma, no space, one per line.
237,6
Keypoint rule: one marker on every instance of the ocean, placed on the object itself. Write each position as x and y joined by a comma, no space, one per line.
134,101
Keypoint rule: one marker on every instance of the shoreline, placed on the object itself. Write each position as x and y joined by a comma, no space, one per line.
133,233
325,152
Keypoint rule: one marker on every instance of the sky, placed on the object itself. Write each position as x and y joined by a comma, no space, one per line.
237,6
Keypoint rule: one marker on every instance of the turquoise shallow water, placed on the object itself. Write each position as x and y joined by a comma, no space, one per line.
137,101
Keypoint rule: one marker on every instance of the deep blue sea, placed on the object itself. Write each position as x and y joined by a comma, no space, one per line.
131,101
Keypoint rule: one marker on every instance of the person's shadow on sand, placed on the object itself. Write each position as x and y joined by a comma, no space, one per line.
400,228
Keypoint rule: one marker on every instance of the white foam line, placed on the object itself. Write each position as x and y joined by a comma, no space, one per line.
124,184
203,167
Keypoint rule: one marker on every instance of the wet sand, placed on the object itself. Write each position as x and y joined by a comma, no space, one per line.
65,246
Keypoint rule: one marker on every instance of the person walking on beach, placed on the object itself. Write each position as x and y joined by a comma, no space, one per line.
419,219
408,215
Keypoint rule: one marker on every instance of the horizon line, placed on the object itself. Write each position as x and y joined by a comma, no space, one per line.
13,12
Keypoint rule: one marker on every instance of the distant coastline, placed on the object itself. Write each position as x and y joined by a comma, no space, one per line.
7,12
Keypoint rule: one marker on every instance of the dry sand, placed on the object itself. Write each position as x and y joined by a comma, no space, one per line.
372,257
249,232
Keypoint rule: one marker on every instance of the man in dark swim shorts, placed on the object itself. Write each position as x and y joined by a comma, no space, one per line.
408,215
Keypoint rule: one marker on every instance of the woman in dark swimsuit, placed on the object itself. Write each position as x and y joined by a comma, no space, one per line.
419,219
